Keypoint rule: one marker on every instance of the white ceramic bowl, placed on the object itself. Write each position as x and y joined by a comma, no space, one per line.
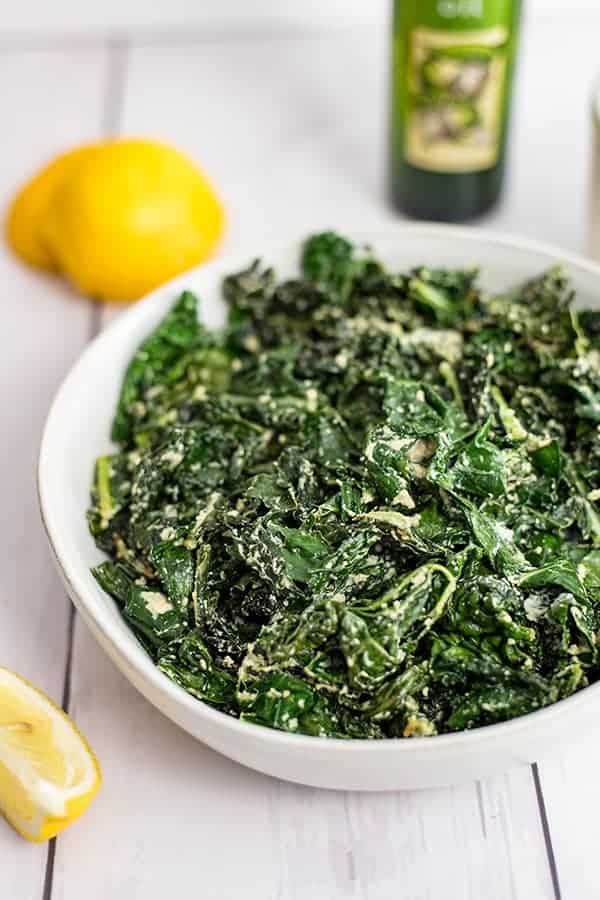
77,430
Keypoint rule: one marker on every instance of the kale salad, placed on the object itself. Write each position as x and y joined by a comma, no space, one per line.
366,507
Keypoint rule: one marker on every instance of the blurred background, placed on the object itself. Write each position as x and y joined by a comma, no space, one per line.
72,15
285,105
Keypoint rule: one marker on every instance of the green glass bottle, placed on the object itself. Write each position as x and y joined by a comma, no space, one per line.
451,84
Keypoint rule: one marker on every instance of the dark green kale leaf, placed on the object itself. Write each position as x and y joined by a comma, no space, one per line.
157,362
190,665
328,262
367,507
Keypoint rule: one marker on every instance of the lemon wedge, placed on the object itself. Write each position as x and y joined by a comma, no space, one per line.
48,774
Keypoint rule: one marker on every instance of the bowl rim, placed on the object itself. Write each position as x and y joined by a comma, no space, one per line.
125,645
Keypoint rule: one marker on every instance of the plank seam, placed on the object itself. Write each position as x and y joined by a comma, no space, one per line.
49,871
117,57
543,811
65,703
114,92
481,808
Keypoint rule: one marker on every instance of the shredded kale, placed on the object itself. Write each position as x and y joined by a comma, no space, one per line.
368,506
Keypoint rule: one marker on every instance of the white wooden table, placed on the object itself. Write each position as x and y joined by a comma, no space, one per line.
291,126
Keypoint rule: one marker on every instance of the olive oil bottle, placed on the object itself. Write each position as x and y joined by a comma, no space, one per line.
452,70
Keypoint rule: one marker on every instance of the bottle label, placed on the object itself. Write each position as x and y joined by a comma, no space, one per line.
456,85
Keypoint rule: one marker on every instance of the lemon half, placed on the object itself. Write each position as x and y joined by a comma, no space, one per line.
31,207
117,218
48,774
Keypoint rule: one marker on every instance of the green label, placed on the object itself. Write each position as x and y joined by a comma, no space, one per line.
454,67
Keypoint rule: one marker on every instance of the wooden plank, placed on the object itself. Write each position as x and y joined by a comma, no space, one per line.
49,100
290,153
547,191
69,16
461,842
571,789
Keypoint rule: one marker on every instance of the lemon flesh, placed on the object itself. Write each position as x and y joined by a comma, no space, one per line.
48,774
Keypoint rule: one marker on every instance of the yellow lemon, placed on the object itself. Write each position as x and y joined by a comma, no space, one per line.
48,774
129,217
29,208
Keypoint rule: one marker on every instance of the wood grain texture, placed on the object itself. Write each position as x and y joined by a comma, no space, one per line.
571,786
47,102
171,810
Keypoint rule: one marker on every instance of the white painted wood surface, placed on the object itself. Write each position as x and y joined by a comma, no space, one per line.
292,130
98,16
47,101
